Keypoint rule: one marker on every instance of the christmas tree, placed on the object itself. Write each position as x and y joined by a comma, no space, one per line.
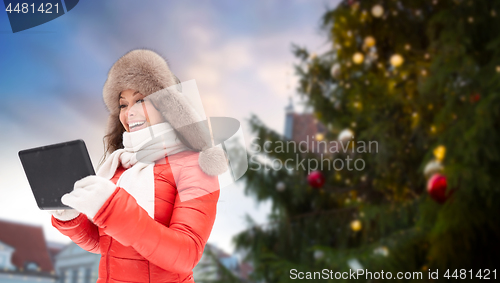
409,94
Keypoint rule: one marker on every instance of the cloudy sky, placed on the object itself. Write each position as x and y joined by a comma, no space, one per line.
239,53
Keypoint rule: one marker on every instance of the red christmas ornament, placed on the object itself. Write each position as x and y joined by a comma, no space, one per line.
436,187
316,179
475,97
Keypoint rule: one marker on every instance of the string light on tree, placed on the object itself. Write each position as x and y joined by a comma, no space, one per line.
439,153
377,11
397,60
358,58
369,41
356,225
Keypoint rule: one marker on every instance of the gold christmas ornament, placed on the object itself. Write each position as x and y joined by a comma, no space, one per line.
335,71
377,11
356,225
358,58
318,254
432,168
280,186
320,137
383,250
397,60
346,135
498,69
440,152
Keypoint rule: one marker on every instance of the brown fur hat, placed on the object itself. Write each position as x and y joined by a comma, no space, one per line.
147,72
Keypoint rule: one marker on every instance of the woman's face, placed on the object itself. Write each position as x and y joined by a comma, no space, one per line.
136,112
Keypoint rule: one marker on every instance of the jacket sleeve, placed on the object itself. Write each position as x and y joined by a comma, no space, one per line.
176,248
81,231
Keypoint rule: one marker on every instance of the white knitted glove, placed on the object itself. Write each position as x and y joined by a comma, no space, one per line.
89,194
64,214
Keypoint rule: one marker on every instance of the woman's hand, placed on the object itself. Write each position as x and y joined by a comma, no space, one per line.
89,194
64,214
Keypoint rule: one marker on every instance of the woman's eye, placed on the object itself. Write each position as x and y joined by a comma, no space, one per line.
123,106
140,101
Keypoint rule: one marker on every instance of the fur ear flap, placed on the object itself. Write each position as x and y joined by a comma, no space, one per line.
213,161
195,131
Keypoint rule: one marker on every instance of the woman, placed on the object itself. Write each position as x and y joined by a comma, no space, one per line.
151,207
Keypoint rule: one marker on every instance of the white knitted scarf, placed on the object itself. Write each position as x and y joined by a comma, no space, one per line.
141,149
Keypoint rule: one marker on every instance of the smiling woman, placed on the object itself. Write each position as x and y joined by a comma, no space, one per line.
151,207
137,113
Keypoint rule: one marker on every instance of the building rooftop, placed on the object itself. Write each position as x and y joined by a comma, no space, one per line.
29,245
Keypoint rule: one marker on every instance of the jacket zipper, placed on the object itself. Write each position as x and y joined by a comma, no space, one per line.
107,259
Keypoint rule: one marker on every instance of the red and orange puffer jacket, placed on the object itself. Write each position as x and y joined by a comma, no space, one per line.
136,248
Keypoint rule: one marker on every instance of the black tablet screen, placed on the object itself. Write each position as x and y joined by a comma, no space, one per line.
52,171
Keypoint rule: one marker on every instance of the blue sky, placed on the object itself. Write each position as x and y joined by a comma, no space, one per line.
51,78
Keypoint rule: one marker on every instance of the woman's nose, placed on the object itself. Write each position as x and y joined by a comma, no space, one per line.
134,110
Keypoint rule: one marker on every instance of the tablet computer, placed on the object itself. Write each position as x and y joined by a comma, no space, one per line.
52,171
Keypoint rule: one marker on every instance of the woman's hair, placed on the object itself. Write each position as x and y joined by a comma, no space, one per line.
113,140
